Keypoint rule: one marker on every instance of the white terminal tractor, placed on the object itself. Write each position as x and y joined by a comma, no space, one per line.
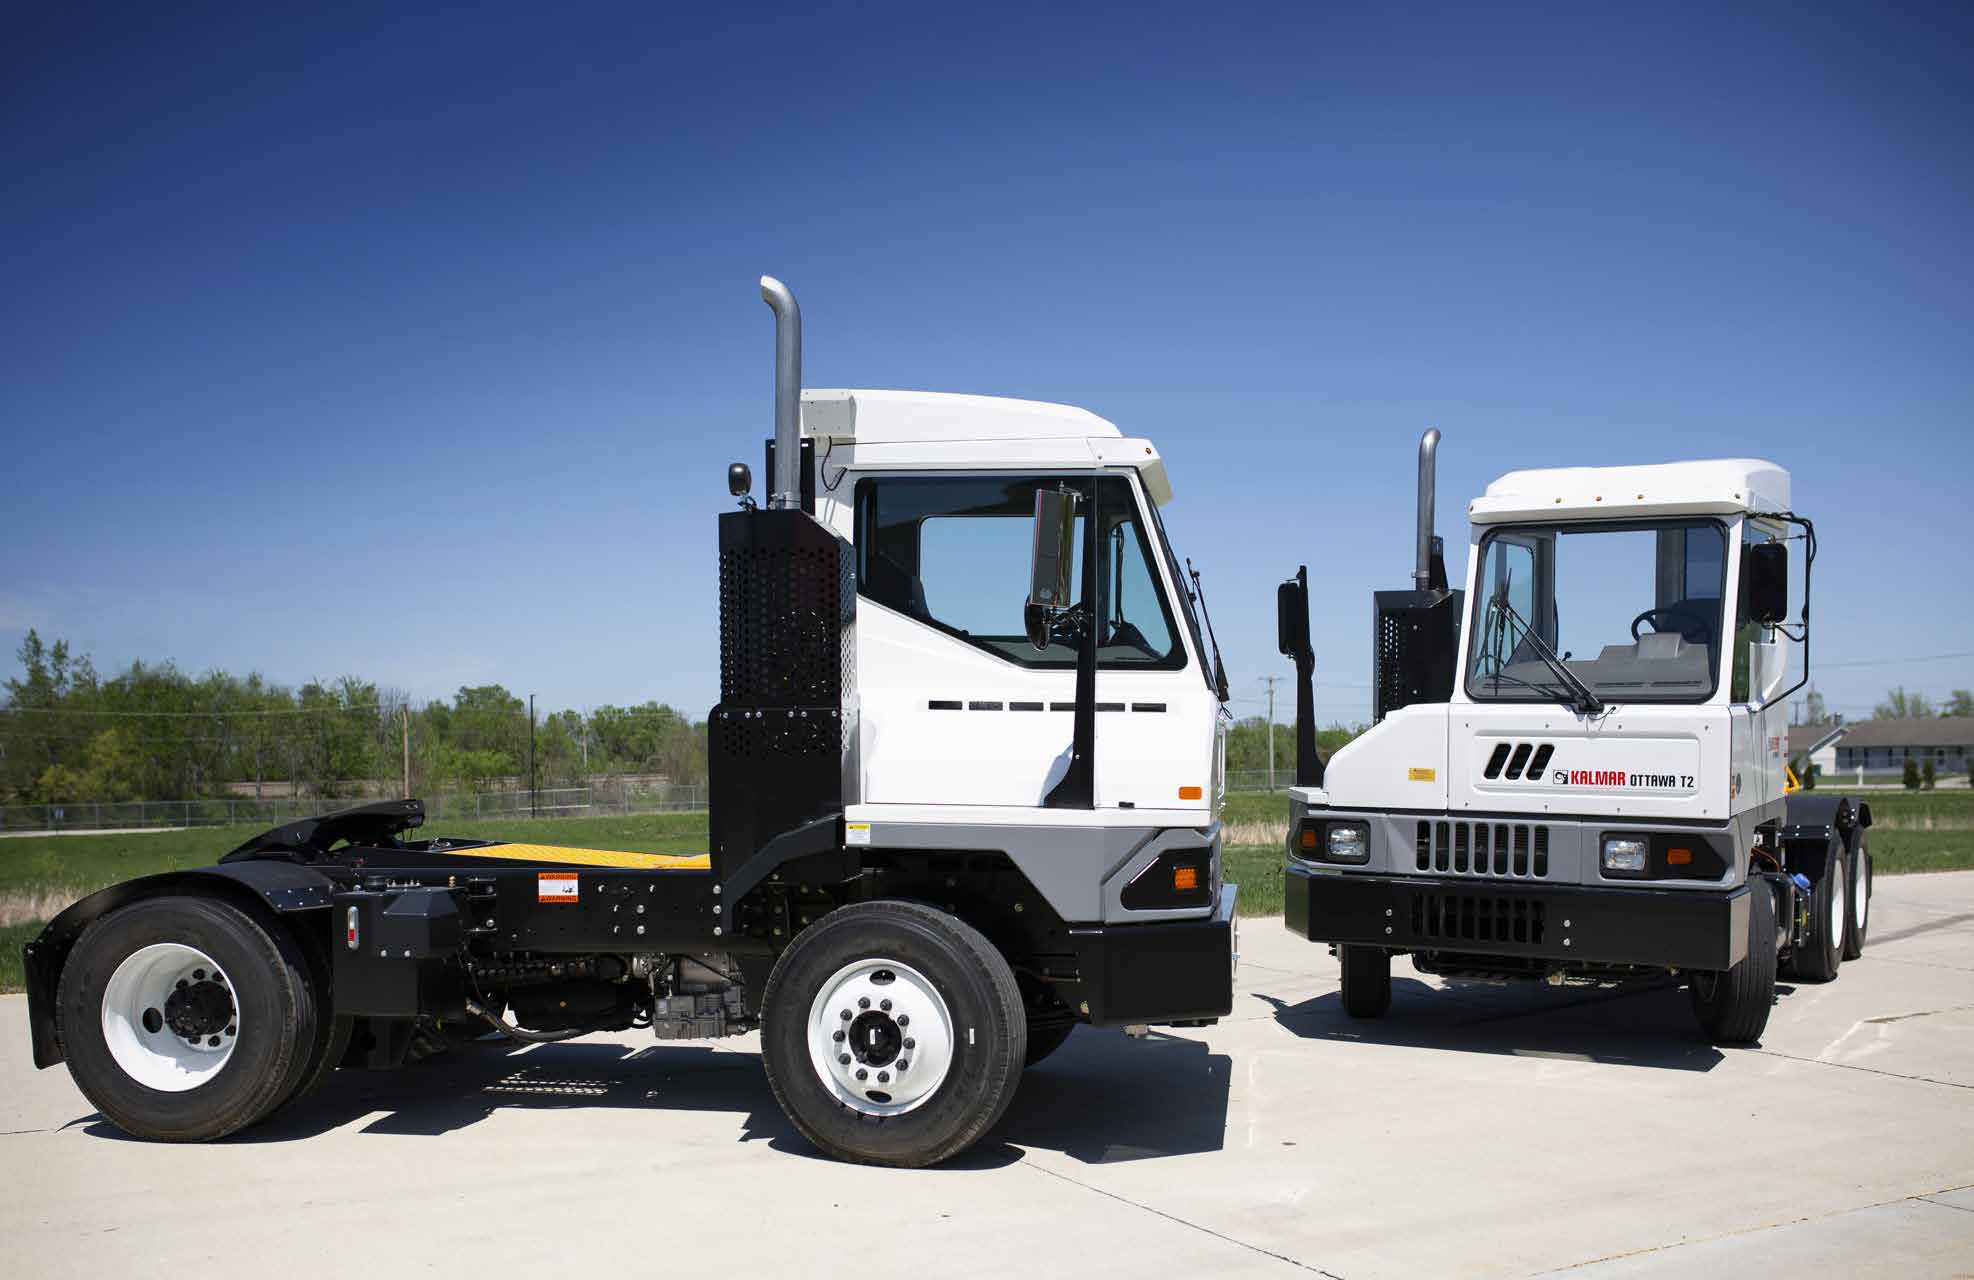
1576,771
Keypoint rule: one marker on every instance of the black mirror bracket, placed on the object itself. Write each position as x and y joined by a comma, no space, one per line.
1292,636
1802,624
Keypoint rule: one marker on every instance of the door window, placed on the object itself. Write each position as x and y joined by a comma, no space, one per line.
953,553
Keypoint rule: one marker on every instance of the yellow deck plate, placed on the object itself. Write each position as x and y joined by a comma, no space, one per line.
589,857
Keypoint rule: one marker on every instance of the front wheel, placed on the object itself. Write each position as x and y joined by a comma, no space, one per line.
1366,980
183,1019
1860,918
892,1034
1733,1005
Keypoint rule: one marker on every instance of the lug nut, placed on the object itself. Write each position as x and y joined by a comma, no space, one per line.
213,1043
182,984
910,1043
843,1059
862,1074
838,1037
884,1077
904,1019
846,1015
863,1002
884,1005
198,975
903,1063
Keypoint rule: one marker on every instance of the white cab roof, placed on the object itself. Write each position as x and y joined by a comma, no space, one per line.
1719,486
933,429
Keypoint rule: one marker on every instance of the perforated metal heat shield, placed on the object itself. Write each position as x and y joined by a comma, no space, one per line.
776,740
1415,642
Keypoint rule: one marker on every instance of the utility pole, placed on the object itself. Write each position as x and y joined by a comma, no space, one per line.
1270,681
404,728
534,779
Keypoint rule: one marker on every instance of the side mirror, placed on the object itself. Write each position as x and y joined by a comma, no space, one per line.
1292,617
1765,573
1054,554
740,480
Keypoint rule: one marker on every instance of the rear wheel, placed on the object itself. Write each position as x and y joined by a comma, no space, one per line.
1860,895
184,1019
1816,957
1366,980
892,1034
1733,1006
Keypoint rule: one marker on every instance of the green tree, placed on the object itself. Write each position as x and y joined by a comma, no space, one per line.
1959,703
1911,778
1817,710
1805,773
1930,777
109,771
1900,705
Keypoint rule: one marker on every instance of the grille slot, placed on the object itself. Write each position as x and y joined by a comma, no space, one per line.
1478,917
1516,761
1512,850
1496,760
1541,761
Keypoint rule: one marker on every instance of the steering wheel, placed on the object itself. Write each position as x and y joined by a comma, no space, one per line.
1700,628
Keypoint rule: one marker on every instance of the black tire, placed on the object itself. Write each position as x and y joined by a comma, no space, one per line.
1733,1006
1366,980
269,986
989,1033
1046,1036
1858,926
1817,957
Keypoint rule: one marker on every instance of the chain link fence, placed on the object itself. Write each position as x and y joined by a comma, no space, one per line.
601,800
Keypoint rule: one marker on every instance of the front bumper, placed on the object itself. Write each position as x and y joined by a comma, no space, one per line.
1172,971
1670,928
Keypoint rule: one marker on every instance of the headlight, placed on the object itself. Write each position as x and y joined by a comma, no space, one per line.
1348,842
1624,856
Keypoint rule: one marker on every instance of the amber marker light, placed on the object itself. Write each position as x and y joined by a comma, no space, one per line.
1185,879
1192,793
1679,857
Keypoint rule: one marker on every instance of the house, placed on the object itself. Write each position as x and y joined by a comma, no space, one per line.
1816,743
1884,745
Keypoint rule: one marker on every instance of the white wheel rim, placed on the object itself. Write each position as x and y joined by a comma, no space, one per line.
1837,910
888,1022
157,999
1861,893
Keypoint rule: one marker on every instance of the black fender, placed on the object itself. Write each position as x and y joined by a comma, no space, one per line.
280,887
1811,816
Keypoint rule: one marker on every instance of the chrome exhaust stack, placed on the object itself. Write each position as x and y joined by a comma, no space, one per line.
785,485
1422,573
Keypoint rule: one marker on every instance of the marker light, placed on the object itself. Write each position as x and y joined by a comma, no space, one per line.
1348,842
1185,879
1192,793
1624,856
1679,857
349,935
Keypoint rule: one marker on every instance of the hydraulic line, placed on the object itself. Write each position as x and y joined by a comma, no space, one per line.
533,1037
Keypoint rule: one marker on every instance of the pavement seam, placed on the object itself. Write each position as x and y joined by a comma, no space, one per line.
1174,1218
1851,1066
1925,1196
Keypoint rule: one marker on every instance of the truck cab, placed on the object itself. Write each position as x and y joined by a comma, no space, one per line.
1576,771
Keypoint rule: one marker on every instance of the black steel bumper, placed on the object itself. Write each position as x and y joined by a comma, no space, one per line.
1176,971
1672,928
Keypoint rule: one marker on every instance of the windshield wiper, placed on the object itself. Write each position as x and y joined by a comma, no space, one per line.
1219,667
1579,695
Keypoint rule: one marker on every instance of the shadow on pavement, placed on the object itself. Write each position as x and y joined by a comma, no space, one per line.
1100,1098
1645,1025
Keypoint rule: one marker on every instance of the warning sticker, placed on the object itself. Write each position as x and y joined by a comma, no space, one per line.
557,886
856,833
1421,775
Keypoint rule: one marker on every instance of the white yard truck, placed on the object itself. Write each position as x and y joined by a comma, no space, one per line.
1576,771
964,771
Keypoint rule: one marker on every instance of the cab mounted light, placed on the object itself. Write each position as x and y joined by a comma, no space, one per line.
1625,856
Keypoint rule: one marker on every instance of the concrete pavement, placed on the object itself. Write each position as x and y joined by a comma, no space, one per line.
1478,1131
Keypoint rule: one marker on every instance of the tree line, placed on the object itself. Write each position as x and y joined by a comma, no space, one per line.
71,735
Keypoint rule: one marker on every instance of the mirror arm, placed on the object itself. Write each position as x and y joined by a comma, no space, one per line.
1077,788
1803,620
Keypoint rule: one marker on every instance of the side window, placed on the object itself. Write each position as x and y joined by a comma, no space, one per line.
1746,631
952,552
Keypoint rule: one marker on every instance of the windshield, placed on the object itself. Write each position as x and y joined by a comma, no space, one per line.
1631,613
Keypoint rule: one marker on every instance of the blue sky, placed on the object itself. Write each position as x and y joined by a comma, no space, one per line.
415,345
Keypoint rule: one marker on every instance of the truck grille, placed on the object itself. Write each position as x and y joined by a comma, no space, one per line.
1477,917
1516,850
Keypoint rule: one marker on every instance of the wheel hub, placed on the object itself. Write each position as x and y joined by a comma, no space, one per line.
198,1010
880,1037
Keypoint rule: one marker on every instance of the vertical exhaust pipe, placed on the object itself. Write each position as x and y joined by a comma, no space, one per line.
786,483
1422,573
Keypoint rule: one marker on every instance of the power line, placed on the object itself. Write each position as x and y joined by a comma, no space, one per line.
1894,662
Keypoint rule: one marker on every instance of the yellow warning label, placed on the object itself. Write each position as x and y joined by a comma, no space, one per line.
1421,775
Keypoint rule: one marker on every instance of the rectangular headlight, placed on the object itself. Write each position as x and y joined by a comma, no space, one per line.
1348,842
1624,856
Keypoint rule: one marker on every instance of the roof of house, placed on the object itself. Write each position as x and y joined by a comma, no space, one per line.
1934,731
1807,739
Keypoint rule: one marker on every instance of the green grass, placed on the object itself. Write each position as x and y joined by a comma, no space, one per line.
12,938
